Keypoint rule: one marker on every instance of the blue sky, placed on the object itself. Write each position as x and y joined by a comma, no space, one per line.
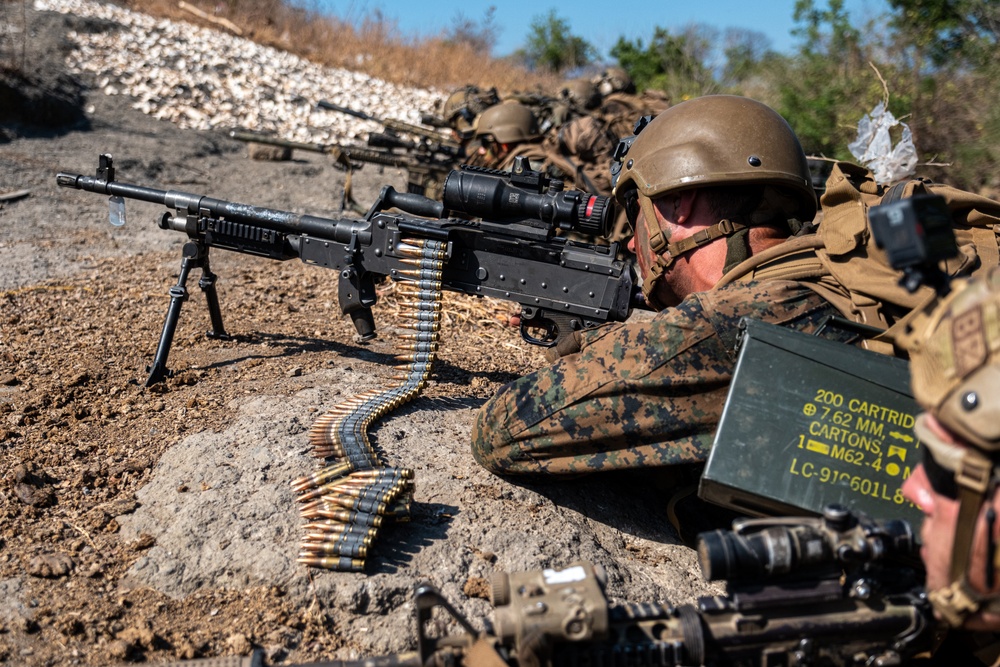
600,22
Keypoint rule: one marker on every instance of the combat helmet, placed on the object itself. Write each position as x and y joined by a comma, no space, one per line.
581,93
614,80
464,105
955,369
955,373
716,140
508,123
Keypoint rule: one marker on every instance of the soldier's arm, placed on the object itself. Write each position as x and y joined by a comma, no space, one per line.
638,395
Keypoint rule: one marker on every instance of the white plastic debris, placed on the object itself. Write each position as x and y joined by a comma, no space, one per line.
873,147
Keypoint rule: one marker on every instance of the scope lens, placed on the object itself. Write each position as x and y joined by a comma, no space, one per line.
492,198
724,554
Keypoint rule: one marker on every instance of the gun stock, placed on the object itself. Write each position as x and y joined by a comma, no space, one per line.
511,253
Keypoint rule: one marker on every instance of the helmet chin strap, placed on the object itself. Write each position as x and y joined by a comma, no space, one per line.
665,253
957,601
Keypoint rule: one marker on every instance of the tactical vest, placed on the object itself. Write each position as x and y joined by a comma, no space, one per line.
841,263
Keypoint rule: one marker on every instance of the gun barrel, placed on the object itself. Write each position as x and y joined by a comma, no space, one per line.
285,222
276,141
330,106
377,157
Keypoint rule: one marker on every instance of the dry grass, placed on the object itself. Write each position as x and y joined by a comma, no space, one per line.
373,45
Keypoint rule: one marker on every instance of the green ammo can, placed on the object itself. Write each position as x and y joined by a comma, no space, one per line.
810,421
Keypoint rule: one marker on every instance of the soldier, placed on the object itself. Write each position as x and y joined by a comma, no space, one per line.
955,366
613,80
583,138
461,110
649,395
576,98
510,129
620,106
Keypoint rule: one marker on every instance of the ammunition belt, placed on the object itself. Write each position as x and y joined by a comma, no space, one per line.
346,501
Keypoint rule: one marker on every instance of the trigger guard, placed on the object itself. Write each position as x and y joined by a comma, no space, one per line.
552,332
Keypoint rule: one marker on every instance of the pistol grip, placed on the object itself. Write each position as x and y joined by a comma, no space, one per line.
356,293
364,323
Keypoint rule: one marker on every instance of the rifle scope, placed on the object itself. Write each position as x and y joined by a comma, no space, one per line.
492,198
756,549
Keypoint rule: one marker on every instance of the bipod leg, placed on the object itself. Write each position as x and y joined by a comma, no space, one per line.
207,285
193,255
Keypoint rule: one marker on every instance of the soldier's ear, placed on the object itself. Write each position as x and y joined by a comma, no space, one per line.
684,207
679,206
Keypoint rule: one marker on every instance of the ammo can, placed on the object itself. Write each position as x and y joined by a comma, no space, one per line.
810,421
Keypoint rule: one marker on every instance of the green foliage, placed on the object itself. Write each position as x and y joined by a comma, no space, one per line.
677,64
829,85
949,50
551,46
745,52
950,32
935,63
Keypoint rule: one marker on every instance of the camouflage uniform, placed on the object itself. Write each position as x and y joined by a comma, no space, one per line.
637,395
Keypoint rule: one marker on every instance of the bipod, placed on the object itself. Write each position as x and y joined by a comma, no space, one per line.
195,255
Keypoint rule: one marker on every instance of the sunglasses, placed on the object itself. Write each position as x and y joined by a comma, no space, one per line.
941,479
631,206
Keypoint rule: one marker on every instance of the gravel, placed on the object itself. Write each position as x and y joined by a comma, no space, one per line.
159,525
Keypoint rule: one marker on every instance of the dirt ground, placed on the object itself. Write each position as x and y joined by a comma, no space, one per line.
159,524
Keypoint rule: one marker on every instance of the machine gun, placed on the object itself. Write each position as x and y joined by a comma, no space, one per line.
837,590
429,140
512,253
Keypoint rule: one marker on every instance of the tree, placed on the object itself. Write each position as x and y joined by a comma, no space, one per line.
952,51
743,53
551,46
677,64
829,84
481,36
950,31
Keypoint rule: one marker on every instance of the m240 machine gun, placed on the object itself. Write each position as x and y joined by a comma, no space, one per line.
512,253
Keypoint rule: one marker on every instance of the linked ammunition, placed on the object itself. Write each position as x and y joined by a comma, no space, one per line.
342,564
344,504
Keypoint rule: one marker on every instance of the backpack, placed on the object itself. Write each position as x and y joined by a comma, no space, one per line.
619,111
839,260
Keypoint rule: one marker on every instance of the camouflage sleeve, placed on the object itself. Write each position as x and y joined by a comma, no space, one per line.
637,395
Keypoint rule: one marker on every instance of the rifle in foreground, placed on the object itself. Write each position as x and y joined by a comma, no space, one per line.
835,590
512,253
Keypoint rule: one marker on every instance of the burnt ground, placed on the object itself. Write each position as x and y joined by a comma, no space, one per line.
159,524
